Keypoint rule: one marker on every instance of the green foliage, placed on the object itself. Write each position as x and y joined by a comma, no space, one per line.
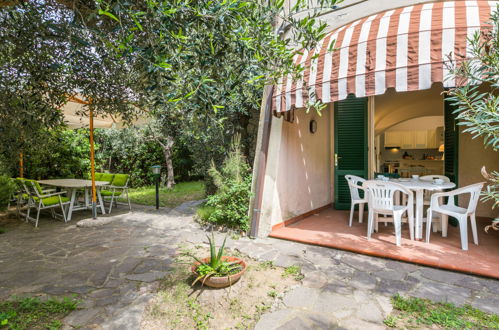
477,95
233,183
33,313
204,212
182,192
216,266
419,312
47,54
6,189
132,151
294,271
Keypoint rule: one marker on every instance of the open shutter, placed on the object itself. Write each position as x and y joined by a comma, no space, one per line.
451,142
350,146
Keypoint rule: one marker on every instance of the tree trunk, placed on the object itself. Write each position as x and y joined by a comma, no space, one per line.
167,151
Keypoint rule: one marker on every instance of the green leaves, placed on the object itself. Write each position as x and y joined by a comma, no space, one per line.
108,14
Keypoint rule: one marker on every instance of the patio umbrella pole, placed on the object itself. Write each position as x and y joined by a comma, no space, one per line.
92,164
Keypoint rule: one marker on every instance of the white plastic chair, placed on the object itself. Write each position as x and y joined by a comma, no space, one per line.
355,187
460,213
381,196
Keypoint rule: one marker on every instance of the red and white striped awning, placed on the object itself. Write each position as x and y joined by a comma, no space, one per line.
405,48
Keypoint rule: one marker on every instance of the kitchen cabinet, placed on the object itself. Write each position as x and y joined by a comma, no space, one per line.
393,139
420,139
417,139
407,140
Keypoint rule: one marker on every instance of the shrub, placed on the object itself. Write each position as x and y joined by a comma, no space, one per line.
6,190
233,182
204,212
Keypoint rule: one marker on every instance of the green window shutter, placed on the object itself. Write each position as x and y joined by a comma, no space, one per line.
350,145
451,142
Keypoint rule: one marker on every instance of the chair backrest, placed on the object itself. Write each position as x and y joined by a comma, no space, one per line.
21,186
433,177
32,188
381,194
353,184
120,180
388,175
474,191
108,177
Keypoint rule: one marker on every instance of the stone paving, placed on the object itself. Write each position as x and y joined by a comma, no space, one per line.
114,269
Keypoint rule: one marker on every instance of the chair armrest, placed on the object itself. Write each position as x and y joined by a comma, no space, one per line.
113,187
48,190
53,194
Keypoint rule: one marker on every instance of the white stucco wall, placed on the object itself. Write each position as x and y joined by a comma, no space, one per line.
297,179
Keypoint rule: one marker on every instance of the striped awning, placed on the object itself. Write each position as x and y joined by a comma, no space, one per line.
406,48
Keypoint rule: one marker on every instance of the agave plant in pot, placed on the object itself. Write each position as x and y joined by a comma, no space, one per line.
217,271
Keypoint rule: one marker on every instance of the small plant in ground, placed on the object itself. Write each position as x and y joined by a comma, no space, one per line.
216,266
390,321
425,312
200,318
2,230
266,265
272,293
32,313
294,271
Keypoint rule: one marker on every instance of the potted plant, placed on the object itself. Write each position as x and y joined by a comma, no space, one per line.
218,271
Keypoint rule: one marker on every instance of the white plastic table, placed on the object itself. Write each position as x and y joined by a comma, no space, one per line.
419,186
72,185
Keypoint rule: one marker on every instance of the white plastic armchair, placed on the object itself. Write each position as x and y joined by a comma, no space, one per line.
355,188
460,213
381,200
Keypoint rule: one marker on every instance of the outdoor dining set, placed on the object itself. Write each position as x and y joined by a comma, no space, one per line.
68,194
400,200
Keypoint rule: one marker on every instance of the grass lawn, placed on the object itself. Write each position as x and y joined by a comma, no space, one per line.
182,192
33,313
417,313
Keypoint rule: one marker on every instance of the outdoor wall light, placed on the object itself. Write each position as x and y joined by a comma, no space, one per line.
156,171
313,126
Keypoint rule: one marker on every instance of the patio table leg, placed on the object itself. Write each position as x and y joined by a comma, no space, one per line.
101,202
419,213
87,199
71,204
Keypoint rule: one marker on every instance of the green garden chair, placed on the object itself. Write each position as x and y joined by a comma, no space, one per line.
41,200
118,187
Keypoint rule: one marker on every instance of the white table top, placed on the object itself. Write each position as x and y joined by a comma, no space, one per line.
72,183
423,185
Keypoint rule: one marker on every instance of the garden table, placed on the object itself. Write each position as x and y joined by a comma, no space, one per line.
72,185
419,186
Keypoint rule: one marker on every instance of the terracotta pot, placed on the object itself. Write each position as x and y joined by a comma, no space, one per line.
220,282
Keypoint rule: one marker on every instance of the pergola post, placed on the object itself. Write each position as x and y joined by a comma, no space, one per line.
92,164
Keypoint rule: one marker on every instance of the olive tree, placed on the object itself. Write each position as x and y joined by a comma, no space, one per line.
477,110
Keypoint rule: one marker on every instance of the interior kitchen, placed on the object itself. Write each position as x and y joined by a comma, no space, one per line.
412,147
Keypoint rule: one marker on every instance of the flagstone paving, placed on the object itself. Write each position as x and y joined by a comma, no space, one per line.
114,269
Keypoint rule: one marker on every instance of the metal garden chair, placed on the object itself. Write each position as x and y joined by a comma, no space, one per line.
117,188
41,201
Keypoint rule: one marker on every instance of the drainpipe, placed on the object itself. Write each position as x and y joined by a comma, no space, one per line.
260,163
